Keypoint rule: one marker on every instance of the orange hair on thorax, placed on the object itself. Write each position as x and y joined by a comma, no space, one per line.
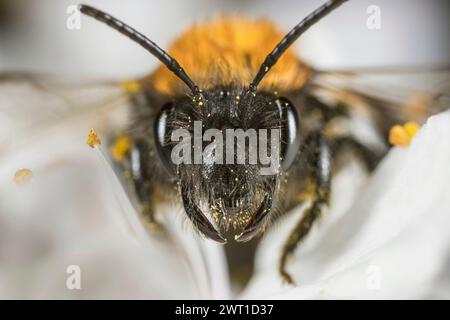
229,51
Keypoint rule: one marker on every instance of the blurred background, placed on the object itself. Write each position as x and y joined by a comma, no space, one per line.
37,245
33,34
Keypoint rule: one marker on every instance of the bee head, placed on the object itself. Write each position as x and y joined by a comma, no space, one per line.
228,156
207,180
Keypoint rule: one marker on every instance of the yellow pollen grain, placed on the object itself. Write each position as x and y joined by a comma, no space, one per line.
401,135
411,128
121,147
93,139
23,176
130,86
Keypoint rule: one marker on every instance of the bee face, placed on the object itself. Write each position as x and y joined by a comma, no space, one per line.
232,189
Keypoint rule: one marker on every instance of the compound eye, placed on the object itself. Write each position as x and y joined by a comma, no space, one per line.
290,132
162,136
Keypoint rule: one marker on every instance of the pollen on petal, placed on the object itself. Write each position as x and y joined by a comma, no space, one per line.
401,135
120,147
131,86
93,139
23,176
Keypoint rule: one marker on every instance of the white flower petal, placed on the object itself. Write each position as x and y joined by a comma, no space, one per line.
68,215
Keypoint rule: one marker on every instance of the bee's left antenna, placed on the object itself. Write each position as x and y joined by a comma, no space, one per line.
146,43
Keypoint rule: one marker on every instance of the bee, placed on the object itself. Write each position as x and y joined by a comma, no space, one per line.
238,73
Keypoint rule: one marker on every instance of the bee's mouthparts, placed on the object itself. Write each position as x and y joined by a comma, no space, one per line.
253,227
232,207
197,217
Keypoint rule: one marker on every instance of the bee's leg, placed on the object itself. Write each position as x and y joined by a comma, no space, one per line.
320,154
368,156
142,183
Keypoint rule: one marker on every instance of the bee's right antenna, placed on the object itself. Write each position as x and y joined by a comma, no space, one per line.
146,43
290,38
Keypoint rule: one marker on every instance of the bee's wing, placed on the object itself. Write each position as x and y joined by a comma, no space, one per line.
394,95
31,105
